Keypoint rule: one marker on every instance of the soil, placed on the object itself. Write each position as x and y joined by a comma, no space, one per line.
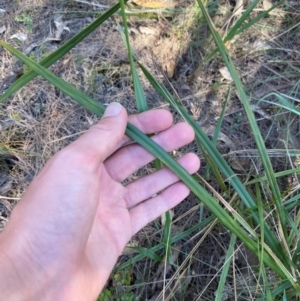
39,120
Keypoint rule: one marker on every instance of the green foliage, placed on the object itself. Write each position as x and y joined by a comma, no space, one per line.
238,118
255,231
26,20
210,202
117,292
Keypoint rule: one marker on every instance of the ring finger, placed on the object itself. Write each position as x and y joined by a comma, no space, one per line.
144,188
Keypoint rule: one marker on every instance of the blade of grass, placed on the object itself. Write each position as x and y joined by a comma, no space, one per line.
294,232
234,29
293,202
138,90
131,131
262,270
277,175
149,253
266,284
167,237
279,290
238,28
59,53
284,297
285,103
254,127
296,255
149,14
211,165
225,269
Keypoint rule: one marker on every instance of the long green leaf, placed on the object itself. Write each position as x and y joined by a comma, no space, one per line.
59,53
167,237
277,175
132,132
138,90
149,253
235,28
285,103
262,270
238,27
254,127
175,239
280,289
225,269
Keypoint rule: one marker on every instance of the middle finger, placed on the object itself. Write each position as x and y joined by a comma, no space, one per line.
130,158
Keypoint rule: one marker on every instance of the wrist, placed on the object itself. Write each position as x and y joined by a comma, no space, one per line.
24,278
13,282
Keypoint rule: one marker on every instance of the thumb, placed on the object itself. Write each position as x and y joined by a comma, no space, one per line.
100,141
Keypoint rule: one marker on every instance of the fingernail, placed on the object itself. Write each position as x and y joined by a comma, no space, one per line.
113,109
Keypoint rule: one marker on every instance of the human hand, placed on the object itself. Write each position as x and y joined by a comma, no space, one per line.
65,235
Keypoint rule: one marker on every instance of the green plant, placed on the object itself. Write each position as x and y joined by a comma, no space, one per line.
274,241
26,20
117,291
237,122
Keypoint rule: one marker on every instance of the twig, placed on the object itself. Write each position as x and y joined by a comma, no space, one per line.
9,198
94,4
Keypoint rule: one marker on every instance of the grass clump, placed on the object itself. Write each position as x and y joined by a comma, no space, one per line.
25,19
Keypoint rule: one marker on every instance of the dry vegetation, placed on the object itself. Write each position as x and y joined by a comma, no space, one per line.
39,120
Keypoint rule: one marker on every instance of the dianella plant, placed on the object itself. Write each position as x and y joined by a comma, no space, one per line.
266,227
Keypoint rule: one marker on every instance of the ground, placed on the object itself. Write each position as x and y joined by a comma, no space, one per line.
39,120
